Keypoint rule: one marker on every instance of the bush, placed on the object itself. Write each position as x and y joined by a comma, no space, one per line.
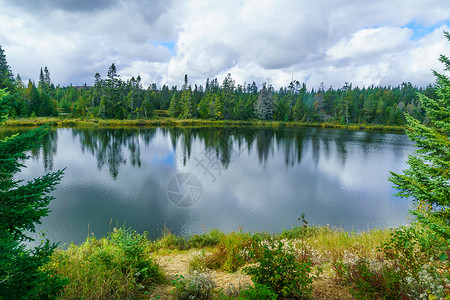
118,266
231,253
410,269
195,285
209,239
171,241
279,268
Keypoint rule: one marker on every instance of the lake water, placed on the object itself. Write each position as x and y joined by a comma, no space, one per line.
192,179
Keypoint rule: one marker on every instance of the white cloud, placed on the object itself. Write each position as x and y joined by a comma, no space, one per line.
364,42
370,43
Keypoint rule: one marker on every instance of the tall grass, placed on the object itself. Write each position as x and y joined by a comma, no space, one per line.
116,267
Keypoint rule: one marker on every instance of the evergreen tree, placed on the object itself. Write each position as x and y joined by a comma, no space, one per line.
147,106
265,104
427,181
6,75
186,104
41,83
205,107
47,81
218,106
228,96
174,108
21,207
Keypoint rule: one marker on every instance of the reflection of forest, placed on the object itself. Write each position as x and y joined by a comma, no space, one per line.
48,147
112,146
108,146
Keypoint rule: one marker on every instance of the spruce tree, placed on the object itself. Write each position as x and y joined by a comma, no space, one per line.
265,104
427,181
22,275
6,75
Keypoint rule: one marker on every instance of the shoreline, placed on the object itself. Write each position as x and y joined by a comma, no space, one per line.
170,122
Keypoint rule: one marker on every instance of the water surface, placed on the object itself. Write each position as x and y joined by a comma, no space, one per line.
256,179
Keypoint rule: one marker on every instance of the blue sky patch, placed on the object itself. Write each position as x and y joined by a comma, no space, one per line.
169,45
419,30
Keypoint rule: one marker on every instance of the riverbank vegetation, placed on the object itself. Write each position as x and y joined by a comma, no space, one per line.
302,262
172,122
123,264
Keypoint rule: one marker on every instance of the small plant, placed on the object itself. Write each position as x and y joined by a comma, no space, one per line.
197,262
195,285
257,292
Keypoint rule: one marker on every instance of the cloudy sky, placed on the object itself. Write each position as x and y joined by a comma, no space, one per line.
383,42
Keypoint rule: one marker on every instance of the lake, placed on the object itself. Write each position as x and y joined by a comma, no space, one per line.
189,180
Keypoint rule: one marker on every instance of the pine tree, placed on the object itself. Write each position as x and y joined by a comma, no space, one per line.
174,108
228,96
6,75
21,207
265,104
41,83
427,181
186,104
205,106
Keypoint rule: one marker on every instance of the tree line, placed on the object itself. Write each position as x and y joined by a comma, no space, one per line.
114,98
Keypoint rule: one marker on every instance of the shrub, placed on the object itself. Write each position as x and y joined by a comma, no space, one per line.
209,239
197,262
231,253
110,268
279,269
195,285
171,241
410,269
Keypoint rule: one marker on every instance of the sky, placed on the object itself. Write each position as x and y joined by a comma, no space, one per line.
383,42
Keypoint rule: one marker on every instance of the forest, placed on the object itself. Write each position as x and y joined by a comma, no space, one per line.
114,98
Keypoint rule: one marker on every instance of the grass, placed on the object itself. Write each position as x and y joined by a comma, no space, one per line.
115,267
171,122
331,244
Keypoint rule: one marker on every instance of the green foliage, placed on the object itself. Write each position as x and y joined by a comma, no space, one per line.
265,105
175,106
409,268
257,292
280,269
195,285
186,104
208,239
22,205
172,241
22,272
118,266
231,253
427,181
